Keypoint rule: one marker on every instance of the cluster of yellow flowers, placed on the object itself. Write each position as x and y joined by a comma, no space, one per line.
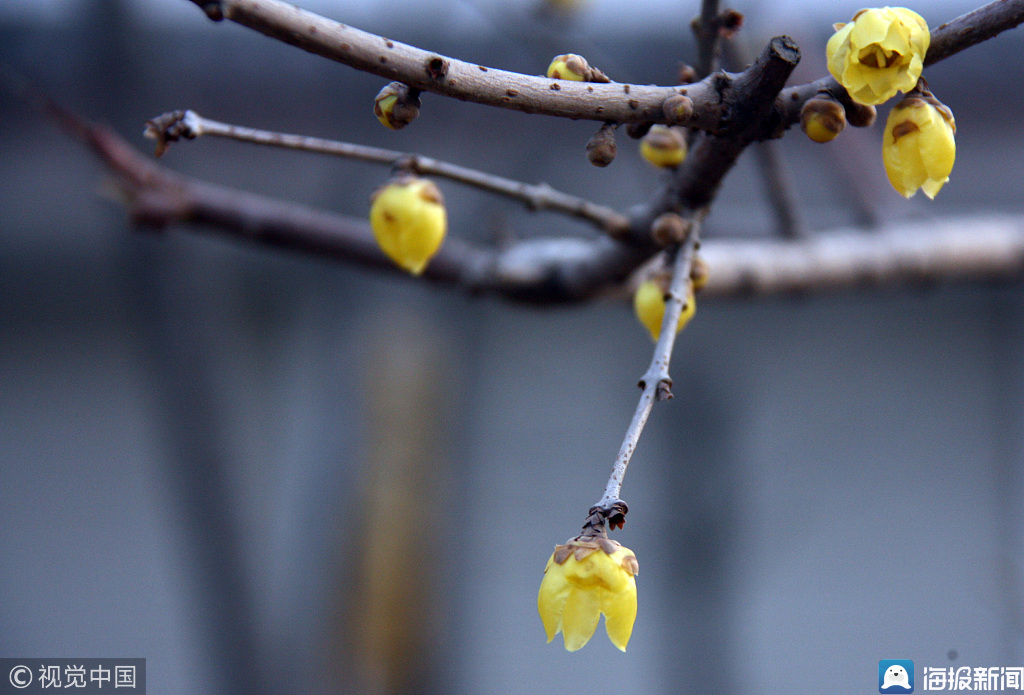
879,53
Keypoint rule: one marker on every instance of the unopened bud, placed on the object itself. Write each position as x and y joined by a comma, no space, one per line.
396,106
571,66
669,228
678,108
686,74
601,149
649,306
860,115
409,222
699,272
638,129
822,118
663,146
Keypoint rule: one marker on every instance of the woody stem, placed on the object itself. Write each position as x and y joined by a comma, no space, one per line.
656,382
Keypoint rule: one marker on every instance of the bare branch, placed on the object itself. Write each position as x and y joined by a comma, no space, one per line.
561,270
789,218
958,249
708,43
189,125
432,72
974,27
656,382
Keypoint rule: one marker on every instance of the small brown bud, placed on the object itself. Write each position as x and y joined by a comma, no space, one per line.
686,75
822,118
729,22
638,129
601,148
860,115
678,109
669,228
396,106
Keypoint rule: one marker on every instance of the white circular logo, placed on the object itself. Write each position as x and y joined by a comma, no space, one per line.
21,676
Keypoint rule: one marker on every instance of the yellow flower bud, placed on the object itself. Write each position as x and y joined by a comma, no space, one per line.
583,579
409,221
396,106
663,146
879,53
699,272
569,67
822,119
649,305
918,147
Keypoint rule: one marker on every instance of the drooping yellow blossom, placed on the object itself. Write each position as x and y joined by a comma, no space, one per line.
583,579
569,67
663,146
409,221
918,147
879,53
649,305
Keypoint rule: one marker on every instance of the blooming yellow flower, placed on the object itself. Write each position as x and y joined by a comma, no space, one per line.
918,146
879,53
663,146
583,579
409,221
649,305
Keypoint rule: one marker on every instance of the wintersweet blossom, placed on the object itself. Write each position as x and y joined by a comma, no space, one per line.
918,147
649,305
583,579
879,53
409,221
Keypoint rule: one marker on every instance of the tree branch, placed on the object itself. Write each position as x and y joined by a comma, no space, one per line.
656,382
951,249
190,125
432,72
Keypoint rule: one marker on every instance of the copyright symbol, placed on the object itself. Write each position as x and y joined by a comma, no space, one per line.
21,676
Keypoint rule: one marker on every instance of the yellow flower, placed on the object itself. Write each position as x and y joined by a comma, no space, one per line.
409,222
583,579
649,305
663,146
918,146
879,53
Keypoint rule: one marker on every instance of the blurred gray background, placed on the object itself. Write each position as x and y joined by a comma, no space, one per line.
267,473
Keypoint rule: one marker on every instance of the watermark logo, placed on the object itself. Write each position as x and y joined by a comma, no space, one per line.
895,676
79,676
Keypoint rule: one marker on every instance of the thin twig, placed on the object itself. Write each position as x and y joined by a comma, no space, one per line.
189,124
789,218
708,38
656,382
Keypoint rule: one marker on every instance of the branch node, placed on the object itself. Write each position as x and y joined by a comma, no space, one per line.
437,68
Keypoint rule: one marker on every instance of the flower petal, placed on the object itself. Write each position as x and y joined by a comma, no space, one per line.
554,590
579,618
619,614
